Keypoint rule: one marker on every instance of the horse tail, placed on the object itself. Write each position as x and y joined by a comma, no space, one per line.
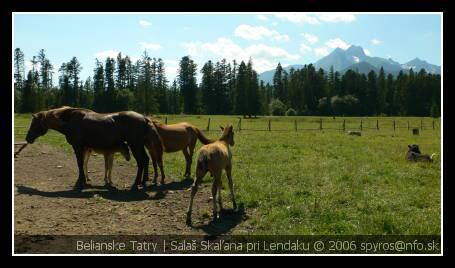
153,137
201,136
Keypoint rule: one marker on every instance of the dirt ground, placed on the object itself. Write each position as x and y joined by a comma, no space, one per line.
46,204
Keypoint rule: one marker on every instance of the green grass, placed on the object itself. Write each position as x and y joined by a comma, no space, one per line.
322,182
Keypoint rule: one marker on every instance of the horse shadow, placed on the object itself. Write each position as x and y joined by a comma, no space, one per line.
114,195
162,189
228,220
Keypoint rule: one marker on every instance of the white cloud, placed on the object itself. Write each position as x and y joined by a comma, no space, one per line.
356,59
106,53
262,17
258,32
367,52
316,18
321,51
275,23
304,48
150,46
336,17
337,42
298,18
375,42
281,37
389,56
145,23
310,38
264,57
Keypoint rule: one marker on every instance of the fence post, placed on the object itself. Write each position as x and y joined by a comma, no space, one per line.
344,125
295,125
320,124
240,124
377,124
208,125
408,124
165,120
421,124
393,124
270,125
361,127
433,124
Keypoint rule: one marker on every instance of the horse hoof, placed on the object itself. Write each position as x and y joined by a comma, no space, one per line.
134,188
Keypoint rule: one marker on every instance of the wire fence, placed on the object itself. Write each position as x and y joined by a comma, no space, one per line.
302,124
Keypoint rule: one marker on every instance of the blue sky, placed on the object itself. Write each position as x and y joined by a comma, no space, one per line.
268,38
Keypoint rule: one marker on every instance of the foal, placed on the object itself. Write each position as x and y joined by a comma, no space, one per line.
108,160
176,137
213,158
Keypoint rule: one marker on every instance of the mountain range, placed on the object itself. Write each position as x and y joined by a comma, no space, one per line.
354,58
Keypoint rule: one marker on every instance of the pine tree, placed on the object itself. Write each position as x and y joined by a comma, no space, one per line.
188,85
241,95
98,87
19,77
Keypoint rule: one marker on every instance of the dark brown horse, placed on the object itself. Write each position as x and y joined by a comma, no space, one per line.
85,128
176,137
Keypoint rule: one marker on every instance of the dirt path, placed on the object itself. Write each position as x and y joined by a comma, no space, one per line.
45,203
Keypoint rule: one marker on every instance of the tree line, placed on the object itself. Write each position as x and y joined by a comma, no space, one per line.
225,88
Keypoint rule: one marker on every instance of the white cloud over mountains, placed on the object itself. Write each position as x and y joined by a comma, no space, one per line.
337,42
264,57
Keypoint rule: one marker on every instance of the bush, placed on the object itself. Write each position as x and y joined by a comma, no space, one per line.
277,107
291,112
434,111
346,105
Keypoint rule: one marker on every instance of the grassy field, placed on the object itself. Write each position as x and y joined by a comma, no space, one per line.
322,182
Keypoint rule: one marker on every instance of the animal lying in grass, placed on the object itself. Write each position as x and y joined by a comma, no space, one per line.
355,133
213,158
108,159
415,155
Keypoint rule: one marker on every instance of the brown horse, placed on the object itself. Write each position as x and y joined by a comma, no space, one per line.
213,158
85,128
175,137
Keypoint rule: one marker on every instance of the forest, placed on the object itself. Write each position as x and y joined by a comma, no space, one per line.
225,88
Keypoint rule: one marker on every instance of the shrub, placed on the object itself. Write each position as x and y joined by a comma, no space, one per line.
291,112
277,107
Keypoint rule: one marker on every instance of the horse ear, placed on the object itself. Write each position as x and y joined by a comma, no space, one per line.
409,146
222,128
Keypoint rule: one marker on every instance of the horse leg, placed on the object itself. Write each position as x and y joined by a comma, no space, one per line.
145,177
191,147
86,157
215,188
231,185
139,156
160,164
220,203
81,183
106,169
199,175
111,165
154,157
187,158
